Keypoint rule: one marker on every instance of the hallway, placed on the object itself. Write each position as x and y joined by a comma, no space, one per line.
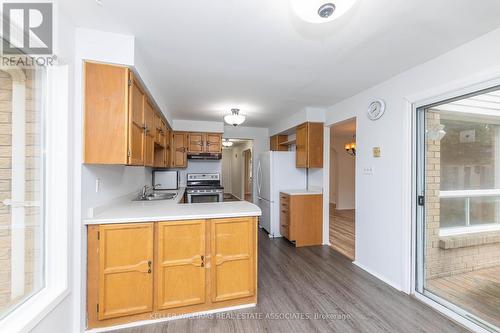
342,231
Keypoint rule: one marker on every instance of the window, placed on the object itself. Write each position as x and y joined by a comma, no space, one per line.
468,157
21,186
34,194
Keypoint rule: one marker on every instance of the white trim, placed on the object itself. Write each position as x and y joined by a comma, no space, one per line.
27,315
162,320
378,276
443,232
18,177
469,193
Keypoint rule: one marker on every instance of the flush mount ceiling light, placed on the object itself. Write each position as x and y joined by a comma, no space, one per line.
235,118
227,143
321,11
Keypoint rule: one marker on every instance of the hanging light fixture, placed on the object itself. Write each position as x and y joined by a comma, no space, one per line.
227,143
350,148
235,118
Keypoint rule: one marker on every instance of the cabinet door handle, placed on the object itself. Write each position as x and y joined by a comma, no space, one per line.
149,267
202,261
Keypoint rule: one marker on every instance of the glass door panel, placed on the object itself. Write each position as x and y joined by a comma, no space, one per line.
458,236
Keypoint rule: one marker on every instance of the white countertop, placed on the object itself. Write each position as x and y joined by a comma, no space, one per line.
301,192
124,210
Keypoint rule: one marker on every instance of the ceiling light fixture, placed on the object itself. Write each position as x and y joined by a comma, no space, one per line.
321,11
227,143
235,118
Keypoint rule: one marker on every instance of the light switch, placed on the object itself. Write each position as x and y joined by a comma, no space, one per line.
376,151
368,171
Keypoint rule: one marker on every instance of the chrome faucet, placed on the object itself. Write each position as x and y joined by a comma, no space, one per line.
145,189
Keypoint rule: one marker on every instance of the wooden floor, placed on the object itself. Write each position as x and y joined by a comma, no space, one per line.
477,292
315,281
342,231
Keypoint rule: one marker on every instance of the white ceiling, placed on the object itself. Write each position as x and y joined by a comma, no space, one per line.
210,56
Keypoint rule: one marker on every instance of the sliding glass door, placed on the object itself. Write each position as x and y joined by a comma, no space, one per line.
458,218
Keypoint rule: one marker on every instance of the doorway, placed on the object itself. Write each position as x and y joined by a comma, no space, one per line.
342,188
458,206
237,166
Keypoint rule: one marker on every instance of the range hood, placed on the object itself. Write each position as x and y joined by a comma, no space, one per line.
204,156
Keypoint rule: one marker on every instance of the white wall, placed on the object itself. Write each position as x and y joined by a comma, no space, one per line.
195,166
226,170
238,169
198,126
383,200
342,175
260,137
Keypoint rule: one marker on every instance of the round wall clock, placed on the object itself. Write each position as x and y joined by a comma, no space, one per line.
376,109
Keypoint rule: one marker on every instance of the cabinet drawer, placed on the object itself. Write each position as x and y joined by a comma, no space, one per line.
285,230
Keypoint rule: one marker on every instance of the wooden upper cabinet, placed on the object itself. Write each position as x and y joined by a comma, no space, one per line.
205,143
309,145
125,269
105,114
180,264
233,258
149,130
178,149
275,142
120,120
168,149
213,143
196,142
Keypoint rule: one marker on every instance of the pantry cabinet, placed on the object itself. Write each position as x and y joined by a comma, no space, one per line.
309,145
139,270
120,120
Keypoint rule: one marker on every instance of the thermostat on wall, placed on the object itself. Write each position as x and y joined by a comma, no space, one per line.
376,109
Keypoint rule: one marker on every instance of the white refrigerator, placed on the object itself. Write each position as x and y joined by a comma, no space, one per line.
276,171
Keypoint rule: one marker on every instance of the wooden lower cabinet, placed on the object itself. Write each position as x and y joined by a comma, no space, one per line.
142,271
180,267
233,259
301,218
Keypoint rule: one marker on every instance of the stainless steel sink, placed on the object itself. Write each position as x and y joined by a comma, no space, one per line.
156,196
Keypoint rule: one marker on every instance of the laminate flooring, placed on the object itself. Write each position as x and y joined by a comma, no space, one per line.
315,289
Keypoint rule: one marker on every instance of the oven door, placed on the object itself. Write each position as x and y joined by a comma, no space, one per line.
204,197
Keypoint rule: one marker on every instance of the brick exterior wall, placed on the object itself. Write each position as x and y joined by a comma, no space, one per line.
439,260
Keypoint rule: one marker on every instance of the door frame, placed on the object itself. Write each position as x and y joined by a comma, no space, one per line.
248,184
453,91
329,134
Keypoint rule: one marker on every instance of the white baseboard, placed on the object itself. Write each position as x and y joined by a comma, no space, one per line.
161,320
378,276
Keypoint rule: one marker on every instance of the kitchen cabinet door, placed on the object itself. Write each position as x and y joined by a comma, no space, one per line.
179,150
196,142
125,269
233,258
136,141
105,110
180,264
168,147
213,143
301,147
149,133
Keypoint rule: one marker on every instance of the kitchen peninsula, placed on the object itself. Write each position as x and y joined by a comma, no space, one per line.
158,259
